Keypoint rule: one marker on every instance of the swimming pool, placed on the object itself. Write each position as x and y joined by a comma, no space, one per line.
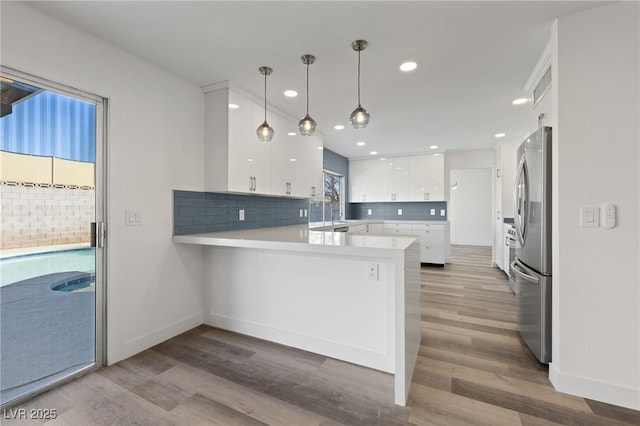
18,268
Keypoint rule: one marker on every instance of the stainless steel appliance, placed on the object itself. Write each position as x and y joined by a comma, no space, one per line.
511,244
531,270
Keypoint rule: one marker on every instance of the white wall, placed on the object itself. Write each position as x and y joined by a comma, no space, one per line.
471,209
155,143
596,293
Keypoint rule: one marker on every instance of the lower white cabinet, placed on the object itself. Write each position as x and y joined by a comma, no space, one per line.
433,238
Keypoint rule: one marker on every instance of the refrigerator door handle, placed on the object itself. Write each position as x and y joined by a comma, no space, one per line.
521,201
518,270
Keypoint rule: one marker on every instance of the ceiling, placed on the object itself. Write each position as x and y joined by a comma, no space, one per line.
473,59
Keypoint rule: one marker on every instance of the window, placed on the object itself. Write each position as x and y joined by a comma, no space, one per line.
333,201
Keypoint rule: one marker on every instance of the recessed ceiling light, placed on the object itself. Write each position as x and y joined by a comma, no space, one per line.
290,93
292,159
433,147
320,147
520,101
500,135
436,154
408,66
234,106
292,133
373,152
249,159
383,159
361,143
338,127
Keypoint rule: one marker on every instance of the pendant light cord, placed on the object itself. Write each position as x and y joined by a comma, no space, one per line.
307,88
359,78
265,97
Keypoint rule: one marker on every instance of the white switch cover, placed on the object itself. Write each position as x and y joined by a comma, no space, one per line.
306,213
433,212
301,213
241,214
132,218
442,212
399,212
369,212
372,271
589,217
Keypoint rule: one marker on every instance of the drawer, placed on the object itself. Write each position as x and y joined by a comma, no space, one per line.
431,254
432,238
425,227
400,228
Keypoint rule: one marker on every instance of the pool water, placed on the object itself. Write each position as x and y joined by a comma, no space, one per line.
18,268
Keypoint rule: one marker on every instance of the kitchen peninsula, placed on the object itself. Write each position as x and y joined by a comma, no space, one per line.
350,296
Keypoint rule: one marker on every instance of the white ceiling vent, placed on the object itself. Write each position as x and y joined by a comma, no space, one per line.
542,87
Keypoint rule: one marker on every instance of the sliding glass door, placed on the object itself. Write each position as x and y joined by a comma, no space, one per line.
51,252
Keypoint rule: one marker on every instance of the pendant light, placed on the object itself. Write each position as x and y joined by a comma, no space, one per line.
359,117
307,125
264,131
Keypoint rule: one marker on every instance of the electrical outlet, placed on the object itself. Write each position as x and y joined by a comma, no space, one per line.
442,212
369,212
241,214
301,213
306,213
133,218
433,212
399,212
372,271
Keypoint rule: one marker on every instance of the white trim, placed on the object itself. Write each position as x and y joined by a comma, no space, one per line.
159,335
610,393
544,62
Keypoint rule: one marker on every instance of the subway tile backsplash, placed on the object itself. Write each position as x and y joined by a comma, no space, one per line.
197,212
421,210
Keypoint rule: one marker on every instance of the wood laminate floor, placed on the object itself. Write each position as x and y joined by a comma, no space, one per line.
472,369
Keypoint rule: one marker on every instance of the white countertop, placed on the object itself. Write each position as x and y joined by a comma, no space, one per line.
301,238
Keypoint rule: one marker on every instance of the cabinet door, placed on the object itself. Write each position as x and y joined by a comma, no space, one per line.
385,179
285,155
400,179
371,189
435,177
418,178
249,159
309,171
356,181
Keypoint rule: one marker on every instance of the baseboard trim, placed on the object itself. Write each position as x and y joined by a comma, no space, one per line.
159,335
609,393
368,358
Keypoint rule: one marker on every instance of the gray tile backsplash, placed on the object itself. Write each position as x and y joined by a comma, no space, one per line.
197,212
389,211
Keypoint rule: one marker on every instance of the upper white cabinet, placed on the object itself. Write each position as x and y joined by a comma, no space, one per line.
363,180
407,178
426,177
236,161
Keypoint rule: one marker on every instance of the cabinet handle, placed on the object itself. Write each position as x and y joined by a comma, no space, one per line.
426,196
255,183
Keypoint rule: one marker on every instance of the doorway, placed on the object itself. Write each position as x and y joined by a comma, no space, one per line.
471,209
52,256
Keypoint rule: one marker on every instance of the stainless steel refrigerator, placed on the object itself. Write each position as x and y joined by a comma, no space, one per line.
531,270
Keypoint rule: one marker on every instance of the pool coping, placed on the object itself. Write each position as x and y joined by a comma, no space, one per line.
26,251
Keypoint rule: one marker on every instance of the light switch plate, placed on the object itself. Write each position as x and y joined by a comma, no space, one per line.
589,216
399,212
241,214
433,212
442,212
133,218
369,212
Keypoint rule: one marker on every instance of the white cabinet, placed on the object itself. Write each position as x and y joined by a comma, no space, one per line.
363,181
236,161
406,178
393,179
309,180
433,238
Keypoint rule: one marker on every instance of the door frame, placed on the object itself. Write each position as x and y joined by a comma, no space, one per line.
101,202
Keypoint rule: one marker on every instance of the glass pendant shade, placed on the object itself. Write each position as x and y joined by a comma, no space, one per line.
265,132
359,118
307,126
